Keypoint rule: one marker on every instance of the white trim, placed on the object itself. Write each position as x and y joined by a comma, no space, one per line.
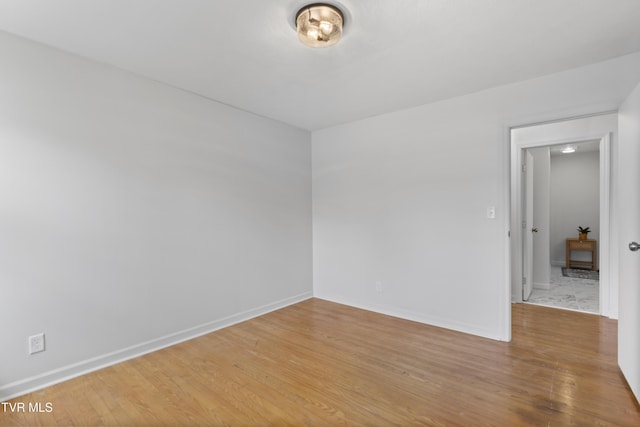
505,315
28,385
439,322
516,219
604,250
537,285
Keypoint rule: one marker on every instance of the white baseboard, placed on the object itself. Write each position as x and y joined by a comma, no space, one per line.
541,285
416,317
28,385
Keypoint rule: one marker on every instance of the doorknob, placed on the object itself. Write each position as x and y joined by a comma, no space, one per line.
634,246
534,230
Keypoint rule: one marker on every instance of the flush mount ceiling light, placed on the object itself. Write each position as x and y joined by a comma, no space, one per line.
319,25
569,149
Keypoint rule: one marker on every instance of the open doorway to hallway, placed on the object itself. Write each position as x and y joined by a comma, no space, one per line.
539,246
565,197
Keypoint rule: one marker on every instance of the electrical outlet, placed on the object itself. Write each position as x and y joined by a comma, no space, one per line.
36,343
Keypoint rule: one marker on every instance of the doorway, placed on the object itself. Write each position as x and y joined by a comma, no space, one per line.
561,194
594,132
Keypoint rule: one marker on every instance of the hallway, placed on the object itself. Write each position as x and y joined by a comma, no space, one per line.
569,293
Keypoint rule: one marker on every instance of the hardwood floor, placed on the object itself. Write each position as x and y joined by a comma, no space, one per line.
318,363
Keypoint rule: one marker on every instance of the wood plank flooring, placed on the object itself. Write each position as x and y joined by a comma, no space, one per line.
318,363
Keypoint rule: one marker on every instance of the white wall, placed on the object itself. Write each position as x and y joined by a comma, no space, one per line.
401,198
134,215
541,219
575,201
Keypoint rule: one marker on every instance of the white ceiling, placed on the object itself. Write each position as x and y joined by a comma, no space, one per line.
395,54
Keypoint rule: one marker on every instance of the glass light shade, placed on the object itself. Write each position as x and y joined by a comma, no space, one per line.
319,25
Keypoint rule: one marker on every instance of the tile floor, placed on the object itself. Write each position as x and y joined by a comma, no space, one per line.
568,292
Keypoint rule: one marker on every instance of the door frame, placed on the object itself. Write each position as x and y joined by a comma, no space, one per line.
516,237
527,225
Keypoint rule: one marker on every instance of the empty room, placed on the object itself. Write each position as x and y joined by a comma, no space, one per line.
284,212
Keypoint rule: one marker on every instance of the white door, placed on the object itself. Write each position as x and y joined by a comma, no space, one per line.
527,250
629,231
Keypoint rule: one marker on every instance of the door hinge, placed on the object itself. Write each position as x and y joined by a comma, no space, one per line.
524,280
524,167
